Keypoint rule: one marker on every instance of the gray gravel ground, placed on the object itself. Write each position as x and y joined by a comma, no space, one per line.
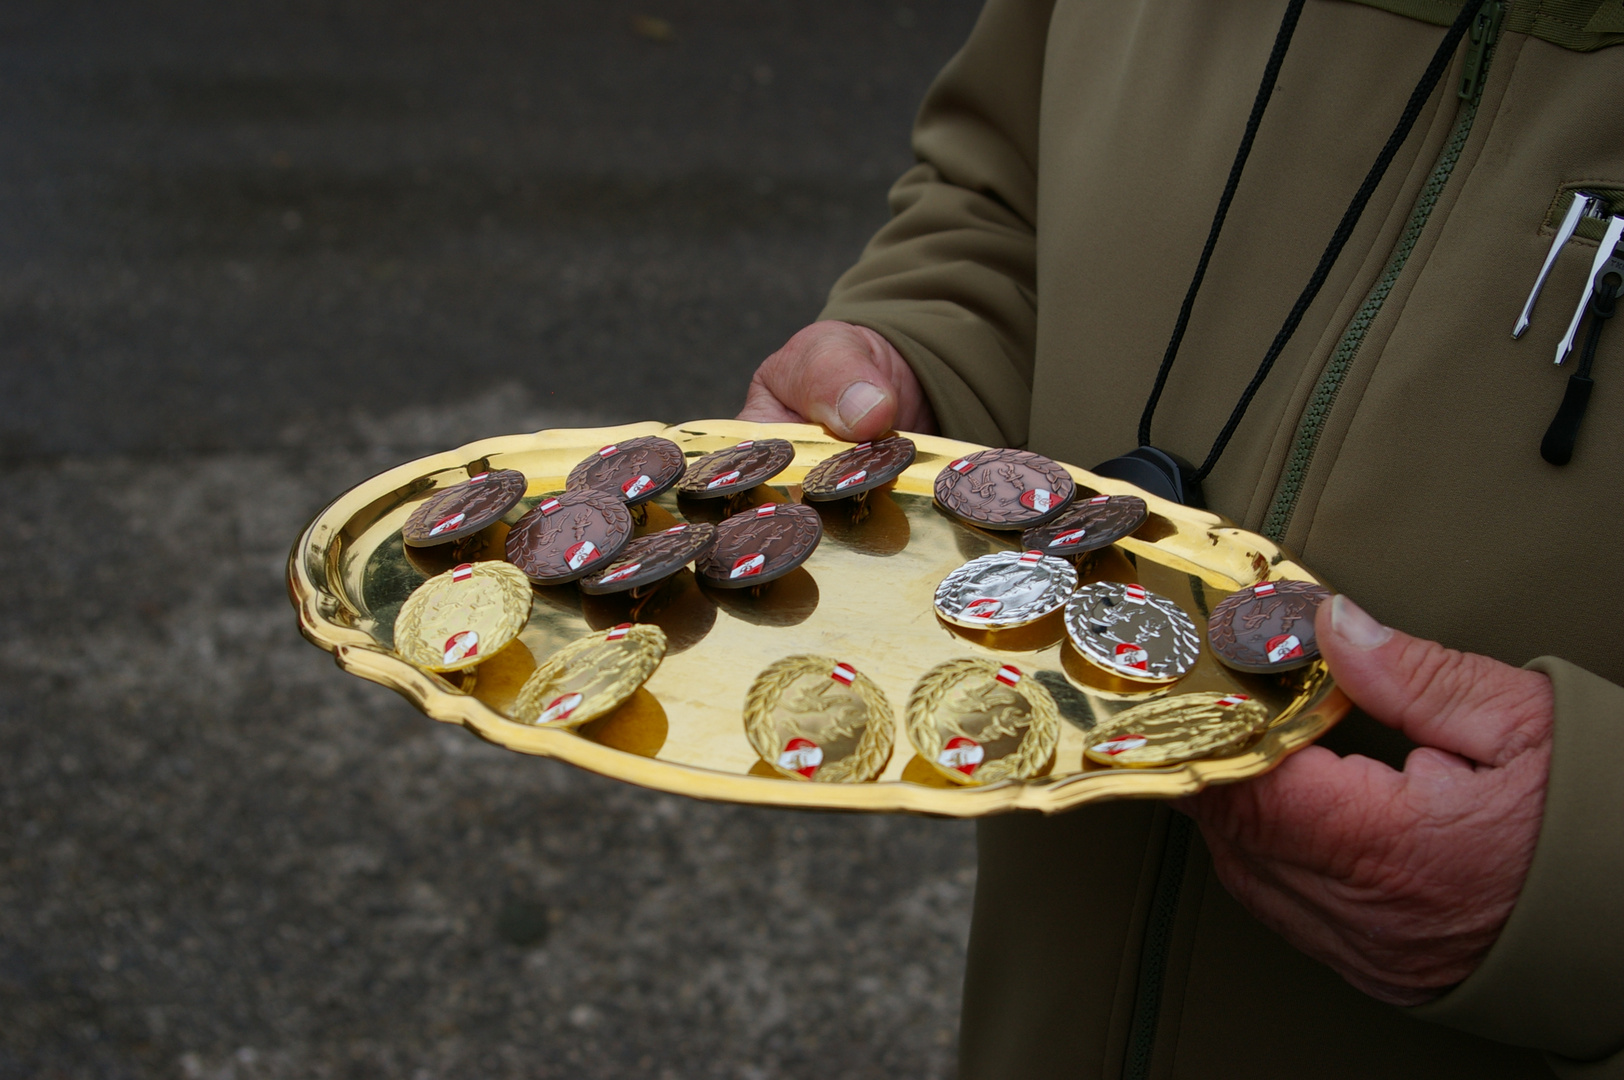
253,253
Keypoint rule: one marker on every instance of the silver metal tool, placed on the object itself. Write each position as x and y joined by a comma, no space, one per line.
1609,242
1577,209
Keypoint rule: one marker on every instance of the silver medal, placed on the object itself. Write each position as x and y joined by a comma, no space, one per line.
1004,589
1132,632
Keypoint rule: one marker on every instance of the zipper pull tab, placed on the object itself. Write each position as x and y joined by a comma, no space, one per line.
1484,30
1576,210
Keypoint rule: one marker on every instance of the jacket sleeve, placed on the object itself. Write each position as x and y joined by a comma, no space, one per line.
950,281
1555,978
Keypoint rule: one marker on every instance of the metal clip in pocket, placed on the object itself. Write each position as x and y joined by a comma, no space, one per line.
1577,209
1605,255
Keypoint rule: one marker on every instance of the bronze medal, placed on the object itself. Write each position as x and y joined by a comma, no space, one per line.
1132,632
864,467
1174,729
813,718
1088,525
635,470
738,468
651,558
463,617
567,536
1004,489
1267,628
464,509
760,545
590,677
979,721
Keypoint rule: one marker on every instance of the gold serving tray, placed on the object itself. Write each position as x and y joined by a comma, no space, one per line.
864,597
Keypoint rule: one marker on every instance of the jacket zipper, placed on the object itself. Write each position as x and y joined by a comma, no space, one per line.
1154,953
1480,51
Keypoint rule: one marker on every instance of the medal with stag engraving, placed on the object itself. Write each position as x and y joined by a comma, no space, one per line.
1004,489
1174,729
1267,628
1088,525
760,545
464,616
738,468
980,721
814,718
568,536
464,509
1005,589
864,467
652,558
1132,632
636,470
590,677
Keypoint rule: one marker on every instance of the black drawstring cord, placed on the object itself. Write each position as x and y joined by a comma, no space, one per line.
1265,91
1557,446
1350,218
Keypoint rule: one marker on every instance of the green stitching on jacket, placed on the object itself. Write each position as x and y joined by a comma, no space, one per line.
1582,25
1318,411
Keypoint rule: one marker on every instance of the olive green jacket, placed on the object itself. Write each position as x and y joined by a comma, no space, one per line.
1070,159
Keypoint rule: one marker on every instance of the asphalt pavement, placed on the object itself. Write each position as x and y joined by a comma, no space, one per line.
251,253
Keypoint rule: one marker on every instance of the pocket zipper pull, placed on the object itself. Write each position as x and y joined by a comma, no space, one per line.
1577,209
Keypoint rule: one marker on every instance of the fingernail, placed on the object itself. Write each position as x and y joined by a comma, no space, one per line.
1356,627
857,401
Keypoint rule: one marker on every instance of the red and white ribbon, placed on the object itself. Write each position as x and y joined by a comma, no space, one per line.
724,480
1031,558
843,674
962,754
851,478
1134,594
580,554
1068,538
747,566
446,524
463,572
618,632
636,486
767,511
962,465
1265,589
460,646
548,506
1009,675
1232,700
609,450
622,574
802,756
1120,744
560,708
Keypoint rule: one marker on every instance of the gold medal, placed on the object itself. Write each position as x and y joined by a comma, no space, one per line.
459,618
813,718
979,721
1176,729
590,677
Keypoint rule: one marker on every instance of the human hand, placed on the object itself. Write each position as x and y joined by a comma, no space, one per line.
1400,881
847,378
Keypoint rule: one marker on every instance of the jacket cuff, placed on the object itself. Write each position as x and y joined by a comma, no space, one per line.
1554,980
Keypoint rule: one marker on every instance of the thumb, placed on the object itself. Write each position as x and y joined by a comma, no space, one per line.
837,375
1460,702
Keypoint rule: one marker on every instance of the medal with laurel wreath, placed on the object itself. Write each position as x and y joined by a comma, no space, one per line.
814,718
1174,729
979,721
464,616
590,677
1268,627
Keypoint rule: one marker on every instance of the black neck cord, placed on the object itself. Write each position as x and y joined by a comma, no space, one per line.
1350,218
